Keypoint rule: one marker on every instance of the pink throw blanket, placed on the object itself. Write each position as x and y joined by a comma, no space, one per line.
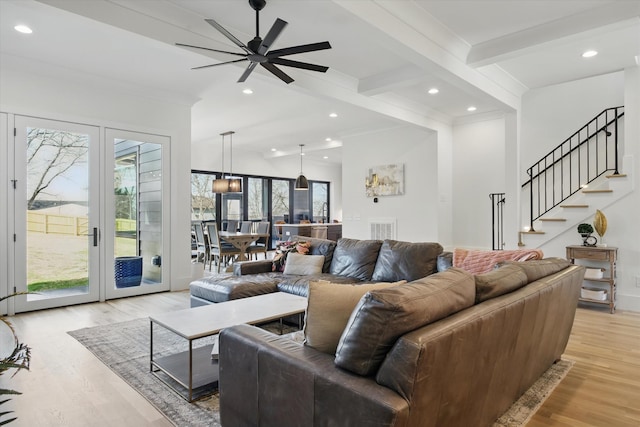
478,262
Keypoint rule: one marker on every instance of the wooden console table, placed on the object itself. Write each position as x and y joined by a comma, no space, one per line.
596,254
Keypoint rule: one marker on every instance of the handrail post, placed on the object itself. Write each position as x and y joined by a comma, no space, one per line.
530,172
616,143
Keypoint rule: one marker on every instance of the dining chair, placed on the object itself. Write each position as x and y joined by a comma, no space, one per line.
202,248
232,225
245,226
261,245
219,250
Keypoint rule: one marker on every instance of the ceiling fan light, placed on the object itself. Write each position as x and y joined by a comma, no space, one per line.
302,183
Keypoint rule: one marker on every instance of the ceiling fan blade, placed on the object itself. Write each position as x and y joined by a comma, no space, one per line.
220,63
298,64
248,71
277,72
212,50
272,36
298,49
228,35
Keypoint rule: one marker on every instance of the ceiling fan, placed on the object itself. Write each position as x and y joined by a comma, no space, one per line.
257,50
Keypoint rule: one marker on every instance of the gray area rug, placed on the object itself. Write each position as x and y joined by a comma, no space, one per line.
124,347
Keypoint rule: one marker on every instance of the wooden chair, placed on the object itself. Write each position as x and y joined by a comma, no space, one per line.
232,225
260,246
202,247
220,251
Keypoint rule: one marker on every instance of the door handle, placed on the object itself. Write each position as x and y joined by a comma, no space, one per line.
95,236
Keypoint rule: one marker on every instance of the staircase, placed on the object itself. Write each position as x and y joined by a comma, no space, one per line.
581,175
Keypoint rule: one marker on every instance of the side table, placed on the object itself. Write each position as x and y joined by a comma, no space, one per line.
598,254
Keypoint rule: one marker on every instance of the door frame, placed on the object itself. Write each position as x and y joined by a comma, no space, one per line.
18,226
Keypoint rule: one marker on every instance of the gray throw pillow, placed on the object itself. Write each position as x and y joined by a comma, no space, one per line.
303,265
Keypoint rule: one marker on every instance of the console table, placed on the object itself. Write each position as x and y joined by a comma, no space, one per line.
602,255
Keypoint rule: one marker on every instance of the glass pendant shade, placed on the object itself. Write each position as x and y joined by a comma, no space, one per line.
235,185
220,185
301,182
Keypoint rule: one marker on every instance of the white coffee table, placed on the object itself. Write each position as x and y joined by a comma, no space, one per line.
194,369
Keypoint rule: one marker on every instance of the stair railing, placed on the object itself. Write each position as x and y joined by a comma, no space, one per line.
580,159
497,221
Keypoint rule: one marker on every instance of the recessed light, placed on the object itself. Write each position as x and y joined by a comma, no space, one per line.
589,53
273,149
23,29
472,108
325,157
333,115
328,139
247,91
433,90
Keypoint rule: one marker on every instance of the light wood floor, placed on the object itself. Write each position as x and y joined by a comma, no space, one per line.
68,386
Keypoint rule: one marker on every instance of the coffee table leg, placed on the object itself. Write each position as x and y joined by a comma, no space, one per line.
190,370
151,346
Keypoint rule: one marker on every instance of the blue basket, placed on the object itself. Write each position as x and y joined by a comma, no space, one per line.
128,270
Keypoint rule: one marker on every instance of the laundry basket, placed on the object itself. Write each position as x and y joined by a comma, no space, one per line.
128,270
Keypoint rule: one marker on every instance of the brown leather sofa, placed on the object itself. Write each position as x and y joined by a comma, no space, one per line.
450,350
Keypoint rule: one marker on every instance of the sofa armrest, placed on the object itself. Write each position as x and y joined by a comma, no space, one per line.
269,380
252,267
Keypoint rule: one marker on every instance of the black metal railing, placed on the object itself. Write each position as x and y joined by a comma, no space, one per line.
580,159
497,220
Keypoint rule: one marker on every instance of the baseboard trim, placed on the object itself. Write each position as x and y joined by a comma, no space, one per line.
628,302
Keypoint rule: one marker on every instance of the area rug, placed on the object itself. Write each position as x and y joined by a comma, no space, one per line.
124,347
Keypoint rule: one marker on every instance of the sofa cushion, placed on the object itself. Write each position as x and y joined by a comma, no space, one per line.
328,309
225,288
303,264
537,269
383,315
500,281
478,261
299,285
322,247
405,260
284,249
355,258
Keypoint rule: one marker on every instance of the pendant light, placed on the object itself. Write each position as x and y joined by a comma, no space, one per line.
301,181
227,184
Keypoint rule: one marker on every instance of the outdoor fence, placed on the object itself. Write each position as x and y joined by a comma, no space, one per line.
69,225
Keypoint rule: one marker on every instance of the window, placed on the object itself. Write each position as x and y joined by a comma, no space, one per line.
203,200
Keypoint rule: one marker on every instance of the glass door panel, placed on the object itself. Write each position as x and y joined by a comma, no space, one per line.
257,199
138,214
320,201
56,210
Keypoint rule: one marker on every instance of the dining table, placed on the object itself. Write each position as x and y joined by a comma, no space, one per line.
241,241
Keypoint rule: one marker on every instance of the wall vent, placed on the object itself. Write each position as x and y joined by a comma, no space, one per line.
383,228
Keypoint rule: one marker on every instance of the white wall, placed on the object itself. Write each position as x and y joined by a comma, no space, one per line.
416,212
478,170
62,94
254,163
553,113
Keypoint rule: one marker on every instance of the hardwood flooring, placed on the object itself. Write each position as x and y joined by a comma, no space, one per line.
68,386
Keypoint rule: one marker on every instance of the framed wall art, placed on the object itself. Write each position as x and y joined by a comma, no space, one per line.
385,180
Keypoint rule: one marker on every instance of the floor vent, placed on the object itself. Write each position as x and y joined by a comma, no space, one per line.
382,229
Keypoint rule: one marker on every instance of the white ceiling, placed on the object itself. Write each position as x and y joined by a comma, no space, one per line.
385,55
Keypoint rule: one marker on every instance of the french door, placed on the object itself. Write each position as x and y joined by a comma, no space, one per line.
89,213
56,215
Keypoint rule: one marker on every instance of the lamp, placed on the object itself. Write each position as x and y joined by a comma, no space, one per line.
301,181
227,184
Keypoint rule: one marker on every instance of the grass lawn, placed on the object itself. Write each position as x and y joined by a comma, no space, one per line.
56,261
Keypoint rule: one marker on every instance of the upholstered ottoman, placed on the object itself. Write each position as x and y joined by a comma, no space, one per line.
215,289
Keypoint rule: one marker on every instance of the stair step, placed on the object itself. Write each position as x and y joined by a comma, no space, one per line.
617,175
574,206
532,232
597,191
553,219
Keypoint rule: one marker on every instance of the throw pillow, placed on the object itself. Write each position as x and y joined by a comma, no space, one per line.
499,282
538,269
404,260
382,316
328,309
284,249
478,262
355,258
303,265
